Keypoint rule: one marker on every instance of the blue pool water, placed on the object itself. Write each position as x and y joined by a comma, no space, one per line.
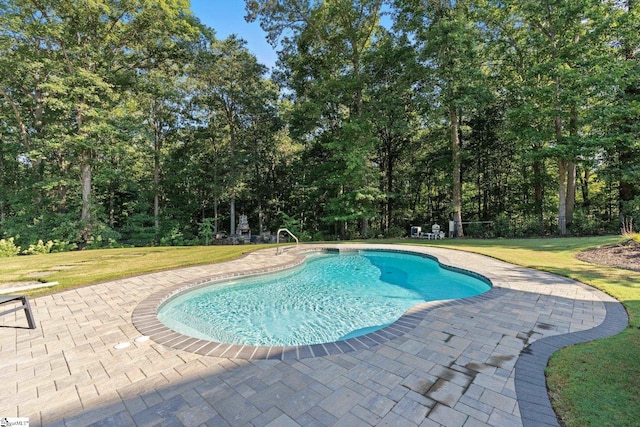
332,296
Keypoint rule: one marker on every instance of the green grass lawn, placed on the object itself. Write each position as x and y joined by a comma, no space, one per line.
71,269
593,384
556,255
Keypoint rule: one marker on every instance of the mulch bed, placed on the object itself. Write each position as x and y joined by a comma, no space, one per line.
622,255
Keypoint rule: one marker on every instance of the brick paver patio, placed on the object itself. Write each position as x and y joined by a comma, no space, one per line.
457,367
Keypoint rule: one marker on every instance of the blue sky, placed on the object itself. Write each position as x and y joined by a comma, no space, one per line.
227,17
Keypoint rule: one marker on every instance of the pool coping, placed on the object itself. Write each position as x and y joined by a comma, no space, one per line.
145,315
530,380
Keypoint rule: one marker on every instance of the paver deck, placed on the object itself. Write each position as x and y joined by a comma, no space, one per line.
474,363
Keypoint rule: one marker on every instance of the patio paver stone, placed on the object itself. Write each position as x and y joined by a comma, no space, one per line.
472,362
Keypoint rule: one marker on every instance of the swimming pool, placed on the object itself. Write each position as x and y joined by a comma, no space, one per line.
330,297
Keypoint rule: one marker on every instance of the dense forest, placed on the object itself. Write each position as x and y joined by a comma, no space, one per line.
127,122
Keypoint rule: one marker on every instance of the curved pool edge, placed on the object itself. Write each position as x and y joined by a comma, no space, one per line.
145,319
530,379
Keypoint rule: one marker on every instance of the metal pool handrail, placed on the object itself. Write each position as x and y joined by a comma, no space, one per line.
278,239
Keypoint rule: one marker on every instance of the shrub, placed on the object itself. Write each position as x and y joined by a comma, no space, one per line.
584,224
502,226
8,248
39,248
101,242
318,236
205,230
304,236
475,230
63,246
395,232
531,226
173,238
288,222
103,236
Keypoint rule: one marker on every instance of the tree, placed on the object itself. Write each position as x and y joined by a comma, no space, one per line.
323,53
234,100
621,121
392,110
564,47
450,41
81,56
161,98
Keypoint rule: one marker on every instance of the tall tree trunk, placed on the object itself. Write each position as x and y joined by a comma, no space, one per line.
364,227
562,166
85,178
479,190
457,173
538,189
259,176
571,191
156,184
359,108
232,207
571,168
344,226
562,197
230,112
85,217
112,206
215,214
389,210
260,218
584,188
157,147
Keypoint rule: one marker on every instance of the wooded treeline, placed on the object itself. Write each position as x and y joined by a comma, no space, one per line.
129,122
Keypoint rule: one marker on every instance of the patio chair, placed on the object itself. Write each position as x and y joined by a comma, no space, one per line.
24,305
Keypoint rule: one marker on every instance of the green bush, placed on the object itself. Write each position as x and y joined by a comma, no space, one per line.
8,248
63,246
102,242
396,232
39,248
475,230
318,236
138,230
205,230
173,238
290,223
584,225
304,236
104,237
502,226
531,227
293,225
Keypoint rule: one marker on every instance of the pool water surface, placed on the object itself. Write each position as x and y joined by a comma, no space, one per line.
330,297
